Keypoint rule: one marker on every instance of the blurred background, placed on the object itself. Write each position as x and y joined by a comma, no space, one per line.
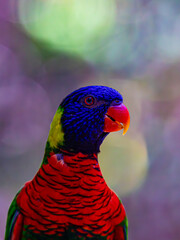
50,48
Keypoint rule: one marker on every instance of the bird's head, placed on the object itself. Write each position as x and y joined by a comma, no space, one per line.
84,119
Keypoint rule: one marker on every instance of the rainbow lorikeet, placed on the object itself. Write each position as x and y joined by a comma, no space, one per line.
68,199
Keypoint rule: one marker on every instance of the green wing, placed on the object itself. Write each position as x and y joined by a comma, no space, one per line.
13,215
121,231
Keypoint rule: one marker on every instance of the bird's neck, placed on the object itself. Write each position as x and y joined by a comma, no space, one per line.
79,160
79,166
73,170
68,155
72,160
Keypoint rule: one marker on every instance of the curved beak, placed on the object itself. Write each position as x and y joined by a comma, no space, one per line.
117,118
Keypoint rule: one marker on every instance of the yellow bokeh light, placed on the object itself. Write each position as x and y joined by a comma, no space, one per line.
124,162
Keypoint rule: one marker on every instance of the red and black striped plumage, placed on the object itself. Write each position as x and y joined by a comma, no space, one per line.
69,193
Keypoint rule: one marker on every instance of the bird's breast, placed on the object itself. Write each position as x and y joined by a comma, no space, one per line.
65,195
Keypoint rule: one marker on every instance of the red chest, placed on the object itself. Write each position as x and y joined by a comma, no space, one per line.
70,192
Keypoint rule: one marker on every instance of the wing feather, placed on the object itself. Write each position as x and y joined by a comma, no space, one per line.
121,231
14,223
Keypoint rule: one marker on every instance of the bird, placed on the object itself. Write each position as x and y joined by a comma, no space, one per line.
68,198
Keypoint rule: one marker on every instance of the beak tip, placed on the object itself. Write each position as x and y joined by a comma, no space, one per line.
126,127
124,132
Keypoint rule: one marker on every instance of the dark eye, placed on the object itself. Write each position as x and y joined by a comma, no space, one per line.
89,101
117,102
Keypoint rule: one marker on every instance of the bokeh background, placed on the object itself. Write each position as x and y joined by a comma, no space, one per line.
50,48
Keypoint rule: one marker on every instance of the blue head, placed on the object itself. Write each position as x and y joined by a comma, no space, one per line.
78,125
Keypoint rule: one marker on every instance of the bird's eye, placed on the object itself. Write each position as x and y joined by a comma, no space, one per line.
89,101
117,102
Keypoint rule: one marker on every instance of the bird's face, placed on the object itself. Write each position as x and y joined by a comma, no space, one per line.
85,117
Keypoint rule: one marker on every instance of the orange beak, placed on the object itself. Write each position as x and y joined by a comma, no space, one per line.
117,118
